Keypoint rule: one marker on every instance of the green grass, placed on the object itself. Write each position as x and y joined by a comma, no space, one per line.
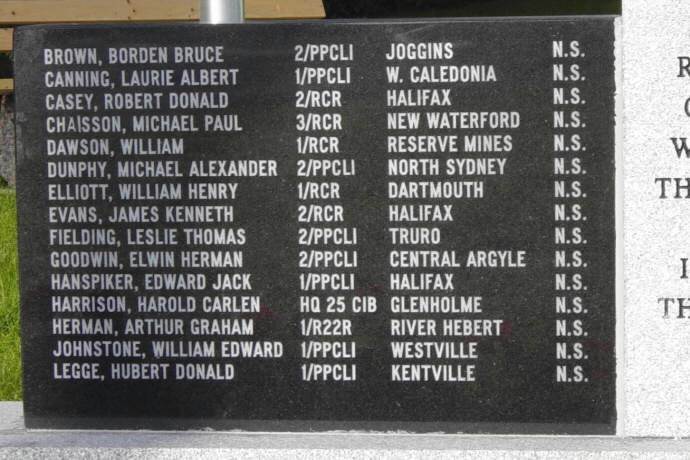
10,363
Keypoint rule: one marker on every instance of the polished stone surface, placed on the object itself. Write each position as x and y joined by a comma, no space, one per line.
544,364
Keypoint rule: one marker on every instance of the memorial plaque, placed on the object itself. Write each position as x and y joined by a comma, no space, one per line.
317,226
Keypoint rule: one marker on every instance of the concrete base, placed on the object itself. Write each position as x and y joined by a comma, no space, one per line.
17,442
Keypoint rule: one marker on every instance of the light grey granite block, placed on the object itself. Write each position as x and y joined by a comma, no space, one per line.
655,362
16,442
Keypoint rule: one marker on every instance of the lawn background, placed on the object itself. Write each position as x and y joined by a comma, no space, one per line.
10,363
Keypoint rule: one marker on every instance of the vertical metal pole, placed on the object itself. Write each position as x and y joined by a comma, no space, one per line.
222,11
